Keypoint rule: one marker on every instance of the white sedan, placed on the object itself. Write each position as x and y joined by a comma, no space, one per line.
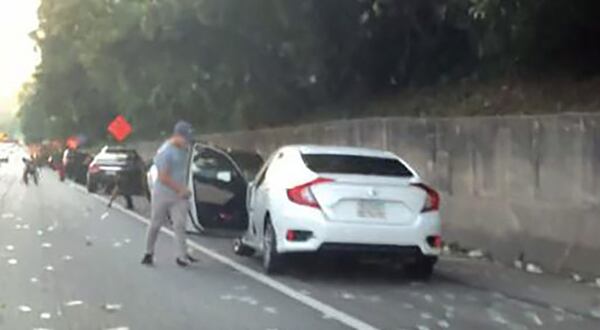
340,199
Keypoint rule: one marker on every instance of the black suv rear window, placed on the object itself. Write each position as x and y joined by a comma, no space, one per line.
349,164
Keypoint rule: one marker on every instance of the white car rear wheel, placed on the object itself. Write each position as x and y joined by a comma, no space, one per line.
272,260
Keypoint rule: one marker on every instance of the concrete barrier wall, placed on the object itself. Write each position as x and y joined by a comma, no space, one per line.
510,185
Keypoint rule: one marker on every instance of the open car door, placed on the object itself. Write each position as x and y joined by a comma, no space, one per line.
219,180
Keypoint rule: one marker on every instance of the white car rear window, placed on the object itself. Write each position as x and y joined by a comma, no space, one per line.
351,164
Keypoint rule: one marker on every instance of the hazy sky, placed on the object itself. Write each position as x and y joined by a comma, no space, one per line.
17,55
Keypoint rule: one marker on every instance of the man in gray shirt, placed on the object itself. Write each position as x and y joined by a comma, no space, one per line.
170,193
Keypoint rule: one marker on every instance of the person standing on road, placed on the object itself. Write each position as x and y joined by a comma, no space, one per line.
170,193
129,184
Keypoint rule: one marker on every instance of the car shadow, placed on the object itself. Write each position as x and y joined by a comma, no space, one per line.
338,270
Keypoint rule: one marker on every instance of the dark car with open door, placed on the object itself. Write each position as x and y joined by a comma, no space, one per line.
116,162
218,180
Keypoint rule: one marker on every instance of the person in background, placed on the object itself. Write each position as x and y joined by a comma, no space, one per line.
129,184
57,164
30,168
170,194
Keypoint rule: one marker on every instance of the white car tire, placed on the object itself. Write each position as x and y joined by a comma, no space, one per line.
273,262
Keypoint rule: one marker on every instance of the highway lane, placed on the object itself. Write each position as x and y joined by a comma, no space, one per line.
62,253
64,264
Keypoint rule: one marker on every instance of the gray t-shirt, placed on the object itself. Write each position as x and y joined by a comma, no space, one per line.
173,160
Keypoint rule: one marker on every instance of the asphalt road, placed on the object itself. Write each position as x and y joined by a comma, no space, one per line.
66,262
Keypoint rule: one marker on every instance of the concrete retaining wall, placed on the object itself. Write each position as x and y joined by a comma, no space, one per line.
510,185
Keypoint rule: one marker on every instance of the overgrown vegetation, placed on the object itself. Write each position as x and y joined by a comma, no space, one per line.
231,64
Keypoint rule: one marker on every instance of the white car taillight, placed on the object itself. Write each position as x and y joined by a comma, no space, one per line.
432,201
303,195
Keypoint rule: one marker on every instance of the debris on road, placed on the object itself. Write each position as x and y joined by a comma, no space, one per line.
476,254
8,215
49,268
443,324
535,318
270,310
12,261
518,264
9,248
426,316
348,296
88,241
33,280
112,307
45,316
248,300
40,232
576,277
67,258
118,328
497,317
74,303
104,216
534,269
24,309
46,245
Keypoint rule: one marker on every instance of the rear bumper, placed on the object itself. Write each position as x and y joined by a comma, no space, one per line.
359,237
101,178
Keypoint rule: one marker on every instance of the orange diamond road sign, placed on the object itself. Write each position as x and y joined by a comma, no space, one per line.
119,128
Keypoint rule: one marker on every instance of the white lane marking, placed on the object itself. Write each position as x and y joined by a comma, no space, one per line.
330,311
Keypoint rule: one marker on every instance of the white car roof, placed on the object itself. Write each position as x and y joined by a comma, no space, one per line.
340,150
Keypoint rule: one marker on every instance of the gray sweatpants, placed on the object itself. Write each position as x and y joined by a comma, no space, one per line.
162,207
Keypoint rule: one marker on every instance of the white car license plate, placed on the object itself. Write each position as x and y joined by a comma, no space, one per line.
111,173
371,209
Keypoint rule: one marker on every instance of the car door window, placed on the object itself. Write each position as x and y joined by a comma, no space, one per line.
213,167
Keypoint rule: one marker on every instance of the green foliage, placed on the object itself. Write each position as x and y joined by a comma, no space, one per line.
231,64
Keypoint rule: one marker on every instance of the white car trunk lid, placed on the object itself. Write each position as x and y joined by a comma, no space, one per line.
369,199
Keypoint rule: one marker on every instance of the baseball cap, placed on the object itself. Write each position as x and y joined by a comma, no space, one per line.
184,129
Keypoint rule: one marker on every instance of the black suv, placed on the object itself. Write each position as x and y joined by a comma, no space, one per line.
113,163
75,163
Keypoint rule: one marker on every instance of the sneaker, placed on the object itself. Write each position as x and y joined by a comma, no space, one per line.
191,259
147,260
182,262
